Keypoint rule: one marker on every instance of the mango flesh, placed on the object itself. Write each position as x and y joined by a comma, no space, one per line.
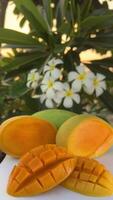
40,170
90,178
20,134
85,135
55,116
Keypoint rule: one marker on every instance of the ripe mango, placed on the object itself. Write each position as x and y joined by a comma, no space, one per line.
85,135
90,178
55,116
40,170
22,133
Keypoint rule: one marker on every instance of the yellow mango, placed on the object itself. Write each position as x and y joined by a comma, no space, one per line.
20,134
40,170
55,116
85,135
90,178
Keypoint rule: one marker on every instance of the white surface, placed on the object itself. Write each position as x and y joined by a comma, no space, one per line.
58,193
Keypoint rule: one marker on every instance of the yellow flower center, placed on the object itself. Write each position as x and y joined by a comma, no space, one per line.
52,66
33,77
50,84
82,76
95,82
69,93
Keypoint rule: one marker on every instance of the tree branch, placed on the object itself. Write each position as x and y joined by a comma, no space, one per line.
3,6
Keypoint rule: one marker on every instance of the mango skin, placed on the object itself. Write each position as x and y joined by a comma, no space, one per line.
85,135
90,178
40,170
55,116
20,134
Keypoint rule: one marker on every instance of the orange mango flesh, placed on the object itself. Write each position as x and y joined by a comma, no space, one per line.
85,135
20,134
40,170
90,178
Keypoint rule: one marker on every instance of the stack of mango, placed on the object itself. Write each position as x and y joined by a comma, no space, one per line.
56,147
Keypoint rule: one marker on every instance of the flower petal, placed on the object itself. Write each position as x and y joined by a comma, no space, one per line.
44,87
66,86
34,85
81,68
88,83
99,91
77,85
58,61
50,93
51,62
72,75
89,89
58,86
56,73
102,84
28,84
90,75
58,97
100,77
46,68
49,103
68,102
33,70
76,98
47,76
42,98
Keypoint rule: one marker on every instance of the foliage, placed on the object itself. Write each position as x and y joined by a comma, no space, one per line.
85,25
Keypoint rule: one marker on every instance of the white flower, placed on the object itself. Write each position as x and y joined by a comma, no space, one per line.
33,79
51,69
49,103
97,84
68,95
80,77
50,85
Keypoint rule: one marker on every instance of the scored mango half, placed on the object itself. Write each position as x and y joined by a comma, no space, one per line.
90,178
40,170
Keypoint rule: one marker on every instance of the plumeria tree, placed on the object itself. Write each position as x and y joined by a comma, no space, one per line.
45,70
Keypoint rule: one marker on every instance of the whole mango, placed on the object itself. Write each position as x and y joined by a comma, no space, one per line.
85,135
22,133
55,116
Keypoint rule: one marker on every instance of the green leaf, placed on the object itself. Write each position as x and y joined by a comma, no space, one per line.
97,22
101,42
107,99
106,62
30,6
34,24
13,37
22,70
65,28
64,7
22,22
48,10
38,47
61,8
18,88
86,8
22,60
